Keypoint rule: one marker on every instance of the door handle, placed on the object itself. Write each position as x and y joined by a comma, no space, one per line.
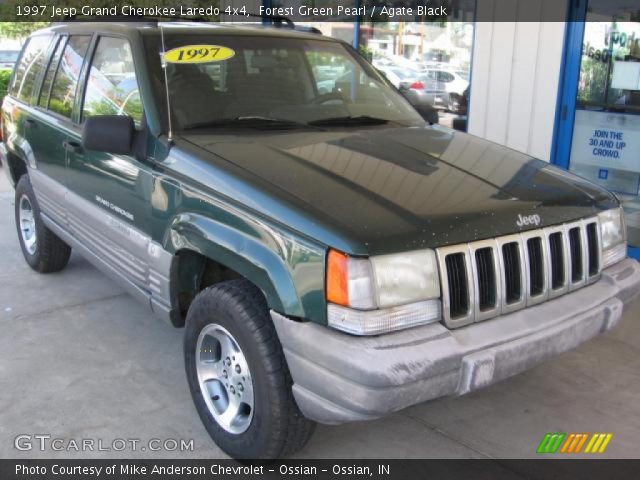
71,146
30,123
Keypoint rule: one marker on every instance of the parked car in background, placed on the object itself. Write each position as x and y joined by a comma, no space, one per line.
449,83
402,77
414,89
8,58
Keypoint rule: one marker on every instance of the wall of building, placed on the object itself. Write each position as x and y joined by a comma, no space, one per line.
515,76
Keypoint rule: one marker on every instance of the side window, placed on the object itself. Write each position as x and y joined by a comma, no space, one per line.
112,88
51,71
31,64
446,77
63,92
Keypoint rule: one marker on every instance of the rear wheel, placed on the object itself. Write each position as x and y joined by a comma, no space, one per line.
238,375
42,249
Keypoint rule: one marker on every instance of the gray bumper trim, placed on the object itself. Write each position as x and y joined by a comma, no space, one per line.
340,378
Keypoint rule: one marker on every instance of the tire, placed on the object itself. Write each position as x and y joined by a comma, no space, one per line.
454,104
273,426
42,249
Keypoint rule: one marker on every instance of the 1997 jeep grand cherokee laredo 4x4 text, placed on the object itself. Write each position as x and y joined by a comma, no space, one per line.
331,256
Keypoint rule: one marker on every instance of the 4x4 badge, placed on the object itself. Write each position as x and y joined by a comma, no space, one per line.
528,220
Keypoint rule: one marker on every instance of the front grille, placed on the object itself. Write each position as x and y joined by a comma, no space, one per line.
492,277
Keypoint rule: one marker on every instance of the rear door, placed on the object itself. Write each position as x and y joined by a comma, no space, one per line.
21,121
50,123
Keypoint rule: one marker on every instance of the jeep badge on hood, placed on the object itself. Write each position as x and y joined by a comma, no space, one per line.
528,220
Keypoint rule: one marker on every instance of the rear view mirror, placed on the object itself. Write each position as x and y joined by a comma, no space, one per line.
109,134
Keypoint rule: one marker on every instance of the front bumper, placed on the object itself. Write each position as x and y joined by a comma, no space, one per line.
340,378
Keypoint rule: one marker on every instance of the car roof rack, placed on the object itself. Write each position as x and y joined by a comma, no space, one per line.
277,21
130,18
280,21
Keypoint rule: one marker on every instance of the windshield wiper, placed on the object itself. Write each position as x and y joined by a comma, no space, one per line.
351,120
248,122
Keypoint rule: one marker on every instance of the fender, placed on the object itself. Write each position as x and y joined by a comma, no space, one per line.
273,260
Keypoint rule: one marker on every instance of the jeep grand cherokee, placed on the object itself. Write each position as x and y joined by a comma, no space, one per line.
332,257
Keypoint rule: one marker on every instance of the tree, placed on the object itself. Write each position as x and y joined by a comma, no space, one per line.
19,30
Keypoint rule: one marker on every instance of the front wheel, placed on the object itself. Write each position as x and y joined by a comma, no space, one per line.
238,375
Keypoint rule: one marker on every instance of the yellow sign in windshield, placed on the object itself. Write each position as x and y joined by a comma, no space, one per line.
198,54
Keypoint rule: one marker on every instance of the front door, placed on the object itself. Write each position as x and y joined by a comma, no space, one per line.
604,145
109,195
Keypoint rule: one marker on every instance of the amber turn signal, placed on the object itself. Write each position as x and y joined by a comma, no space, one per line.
337,288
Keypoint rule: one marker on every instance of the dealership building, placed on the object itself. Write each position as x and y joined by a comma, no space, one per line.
566,91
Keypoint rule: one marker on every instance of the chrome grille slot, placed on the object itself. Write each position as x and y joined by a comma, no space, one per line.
487,285
536,267
458,284
556,257
513,273
513,285
484,279
593,249
487,297
558,265
456,277
575,241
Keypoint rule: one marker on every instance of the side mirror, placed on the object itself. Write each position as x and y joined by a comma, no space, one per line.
109,134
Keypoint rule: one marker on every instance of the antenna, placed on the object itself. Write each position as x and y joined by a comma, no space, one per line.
166,82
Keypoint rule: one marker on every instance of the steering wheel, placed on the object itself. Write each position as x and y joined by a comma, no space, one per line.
328,97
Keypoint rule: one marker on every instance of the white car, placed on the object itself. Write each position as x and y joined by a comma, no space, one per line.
402,77
451,84
451,81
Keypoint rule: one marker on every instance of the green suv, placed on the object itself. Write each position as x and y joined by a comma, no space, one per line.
332,257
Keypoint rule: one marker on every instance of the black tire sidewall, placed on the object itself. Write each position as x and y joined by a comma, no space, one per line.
256,442
24,188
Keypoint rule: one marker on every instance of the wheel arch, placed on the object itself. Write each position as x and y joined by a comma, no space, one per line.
17,167
206,252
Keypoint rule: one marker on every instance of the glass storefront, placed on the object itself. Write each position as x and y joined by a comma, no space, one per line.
605,147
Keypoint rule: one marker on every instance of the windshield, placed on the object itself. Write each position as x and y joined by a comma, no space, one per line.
275,79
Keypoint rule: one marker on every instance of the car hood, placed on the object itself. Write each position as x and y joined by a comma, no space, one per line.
396,189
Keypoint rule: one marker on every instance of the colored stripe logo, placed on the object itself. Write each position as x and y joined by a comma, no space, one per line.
557,442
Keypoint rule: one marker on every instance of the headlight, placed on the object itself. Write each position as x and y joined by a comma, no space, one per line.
383,293
614,241
405,278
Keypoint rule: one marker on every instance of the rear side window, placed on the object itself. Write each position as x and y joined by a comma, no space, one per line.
31,64
51,72
112,88
65,84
